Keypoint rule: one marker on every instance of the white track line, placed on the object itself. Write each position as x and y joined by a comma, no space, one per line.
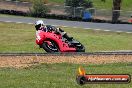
119,31
74,27
97,29
8,21
19,22
87,28
30,23
55,25
107,30
128,32
64,26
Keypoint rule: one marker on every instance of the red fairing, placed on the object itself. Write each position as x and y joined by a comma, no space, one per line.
130,21
39,37
42,36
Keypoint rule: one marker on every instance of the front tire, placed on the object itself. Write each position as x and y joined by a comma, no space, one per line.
50,48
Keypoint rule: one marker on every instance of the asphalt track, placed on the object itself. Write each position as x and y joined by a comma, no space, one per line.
75,24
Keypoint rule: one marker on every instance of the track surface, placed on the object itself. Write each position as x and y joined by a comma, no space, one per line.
65,54
85,25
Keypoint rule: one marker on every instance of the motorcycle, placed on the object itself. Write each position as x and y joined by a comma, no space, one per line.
55,42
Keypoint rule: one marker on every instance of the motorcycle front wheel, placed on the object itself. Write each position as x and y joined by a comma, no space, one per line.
50,48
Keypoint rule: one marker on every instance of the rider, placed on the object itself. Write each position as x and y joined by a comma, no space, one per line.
39,25
130,20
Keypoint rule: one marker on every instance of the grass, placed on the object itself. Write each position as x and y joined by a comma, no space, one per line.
109,4
17,37
59,76
57,1
21,38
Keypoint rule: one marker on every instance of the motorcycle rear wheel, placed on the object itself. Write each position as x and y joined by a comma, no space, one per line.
81,48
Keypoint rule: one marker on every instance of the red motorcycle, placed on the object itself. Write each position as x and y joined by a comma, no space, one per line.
54,42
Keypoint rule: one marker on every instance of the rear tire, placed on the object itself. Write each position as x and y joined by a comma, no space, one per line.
49,48
76,44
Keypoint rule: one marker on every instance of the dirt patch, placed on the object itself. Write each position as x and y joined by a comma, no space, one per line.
26,61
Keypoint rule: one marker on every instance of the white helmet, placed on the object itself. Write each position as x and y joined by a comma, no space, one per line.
39,22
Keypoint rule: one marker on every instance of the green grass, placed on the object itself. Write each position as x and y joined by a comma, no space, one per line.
59,76
17,37
21,38
109,4
57,1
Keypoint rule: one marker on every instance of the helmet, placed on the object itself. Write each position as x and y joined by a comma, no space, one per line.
38,24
